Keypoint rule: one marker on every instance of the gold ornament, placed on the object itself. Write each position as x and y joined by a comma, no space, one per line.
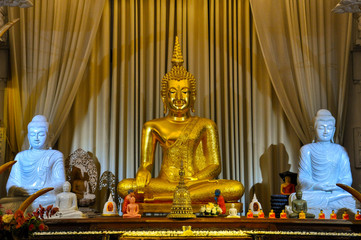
182,203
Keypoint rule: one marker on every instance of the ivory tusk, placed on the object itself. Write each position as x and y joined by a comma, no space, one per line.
6,166
31,198
351,190
7,26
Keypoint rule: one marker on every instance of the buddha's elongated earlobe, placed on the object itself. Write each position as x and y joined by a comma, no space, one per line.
192,101
165,109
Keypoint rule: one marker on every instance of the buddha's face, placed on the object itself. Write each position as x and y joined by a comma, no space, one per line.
287,179
37,137
325,129
299,195
179,95
66,187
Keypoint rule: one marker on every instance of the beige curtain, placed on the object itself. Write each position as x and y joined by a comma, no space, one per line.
121,91
49,47
306,50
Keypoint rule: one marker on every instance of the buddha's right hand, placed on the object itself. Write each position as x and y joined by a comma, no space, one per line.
142,179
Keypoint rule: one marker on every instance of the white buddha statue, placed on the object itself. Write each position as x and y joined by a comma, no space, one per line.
233,212
36,168
67,204
322,165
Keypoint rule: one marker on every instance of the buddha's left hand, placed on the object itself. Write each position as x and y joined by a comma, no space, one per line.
326,187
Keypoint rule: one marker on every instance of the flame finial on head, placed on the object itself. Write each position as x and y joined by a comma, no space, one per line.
177,58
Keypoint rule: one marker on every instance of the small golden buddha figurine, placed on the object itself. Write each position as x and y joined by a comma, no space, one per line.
260,214
345,216
249,213
271,214
182,137
321,215
333,215
283,214
358,215
302,215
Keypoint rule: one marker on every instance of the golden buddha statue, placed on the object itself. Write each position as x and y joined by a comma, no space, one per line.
183,137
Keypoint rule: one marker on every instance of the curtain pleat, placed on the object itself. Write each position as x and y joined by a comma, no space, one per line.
306,49
49,51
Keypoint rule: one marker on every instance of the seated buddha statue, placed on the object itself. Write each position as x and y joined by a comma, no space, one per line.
80,186
132,209
287,187
36,168
182,137
322,165
67,204
299,206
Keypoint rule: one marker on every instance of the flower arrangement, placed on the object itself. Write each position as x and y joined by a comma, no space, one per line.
210,209
16,225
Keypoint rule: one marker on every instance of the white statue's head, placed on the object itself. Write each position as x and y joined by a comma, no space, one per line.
37,132
324,125
66,186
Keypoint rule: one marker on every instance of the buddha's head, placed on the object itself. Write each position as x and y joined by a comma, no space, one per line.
324,125
37,132
66,186
178,86
299,195
287,179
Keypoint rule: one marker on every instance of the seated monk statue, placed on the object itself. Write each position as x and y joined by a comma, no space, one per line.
182,137
80,186
132,209
36,168
300,206
67,204
322,165
287,187
220,201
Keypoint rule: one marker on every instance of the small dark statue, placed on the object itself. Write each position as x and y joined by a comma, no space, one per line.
299,205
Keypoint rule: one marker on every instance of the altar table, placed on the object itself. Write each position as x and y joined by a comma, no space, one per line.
119,228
